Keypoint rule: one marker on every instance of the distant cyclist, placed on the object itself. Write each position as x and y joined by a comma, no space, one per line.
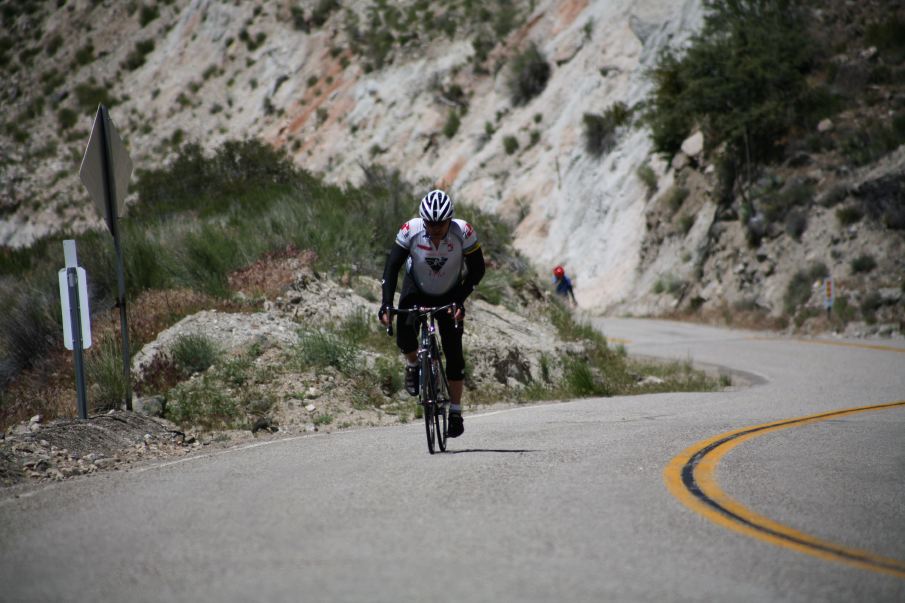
444,263
563,284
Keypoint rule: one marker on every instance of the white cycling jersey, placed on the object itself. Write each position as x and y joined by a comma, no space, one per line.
436,269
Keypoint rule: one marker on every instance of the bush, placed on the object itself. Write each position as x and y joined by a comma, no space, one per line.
85,54
847,216
30,325
194,353
799,289
675,197
888,37
452,124
89,96
647,175
742,77
319,349
600,131
104,371
528,75
869,306
147,14
796,223
67,118
581,381
136,58
202,402
863,263
510,144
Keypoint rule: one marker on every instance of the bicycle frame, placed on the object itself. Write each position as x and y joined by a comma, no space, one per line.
433,391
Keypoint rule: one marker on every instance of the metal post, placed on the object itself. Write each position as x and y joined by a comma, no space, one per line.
113,223
75,320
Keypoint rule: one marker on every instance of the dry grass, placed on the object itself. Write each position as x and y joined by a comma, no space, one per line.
270,275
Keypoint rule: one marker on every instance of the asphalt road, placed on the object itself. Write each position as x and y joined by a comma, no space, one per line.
611,499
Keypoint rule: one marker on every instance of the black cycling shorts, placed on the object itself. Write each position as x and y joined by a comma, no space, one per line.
450,336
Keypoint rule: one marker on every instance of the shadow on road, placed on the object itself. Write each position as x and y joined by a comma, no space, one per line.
488,450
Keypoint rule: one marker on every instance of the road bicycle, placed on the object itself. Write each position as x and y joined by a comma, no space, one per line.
433,388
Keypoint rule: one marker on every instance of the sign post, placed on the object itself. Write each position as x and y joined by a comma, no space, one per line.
76,318
105,172
829,294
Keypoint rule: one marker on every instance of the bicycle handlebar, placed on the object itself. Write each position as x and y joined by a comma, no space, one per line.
421,310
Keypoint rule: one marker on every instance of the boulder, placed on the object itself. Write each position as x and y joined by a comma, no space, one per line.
694,144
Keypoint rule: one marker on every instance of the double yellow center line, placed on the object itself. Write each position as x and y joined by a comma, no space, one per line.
690,478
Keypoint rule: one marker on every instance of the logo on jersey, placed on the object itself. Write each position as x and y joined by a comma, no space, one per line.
404,231
468,230
436,264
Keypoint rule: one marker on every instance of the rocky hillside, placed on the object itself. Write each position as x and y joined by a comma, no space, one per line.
431,91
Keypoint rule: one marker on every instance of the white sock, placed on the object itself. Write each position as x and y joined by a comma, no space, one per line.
407,363
455,408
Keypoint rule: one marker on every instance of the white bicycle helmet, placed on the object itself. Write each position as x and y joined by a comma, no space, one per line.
436,206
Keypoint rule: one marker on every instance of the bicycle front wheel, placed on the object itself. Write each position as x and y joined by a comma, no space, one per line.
440,421
430,425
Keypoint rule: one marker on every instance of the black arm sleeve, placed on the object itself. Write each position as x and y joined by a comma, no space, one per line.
474,261
395,259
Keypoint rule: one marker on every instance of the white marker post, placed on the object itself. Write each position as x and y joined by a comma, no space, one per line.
76,318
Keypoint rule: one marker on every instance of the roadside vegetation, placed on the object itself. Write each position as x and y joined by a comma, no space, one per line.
199,227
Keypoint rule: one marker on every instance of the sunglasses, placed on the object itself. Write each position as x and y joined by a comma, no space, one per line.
435,224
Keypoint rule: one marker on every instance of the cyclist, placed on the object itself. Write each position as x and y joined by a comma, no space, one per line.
444,263
563,284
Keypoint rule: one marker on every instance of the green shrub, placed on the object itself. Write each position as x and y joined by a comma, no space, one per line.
872,141
67,118
528,75
510,144
742,77
89,96
321,12
136,58
799,289
452,124
30,324
492,287
863,263
194,353
869,306
204,403
53,44
675,197
104,374
147,14
320,349
600,131
848,215
685,223
889,38
85,54
796,223
323,419
580,380
647,175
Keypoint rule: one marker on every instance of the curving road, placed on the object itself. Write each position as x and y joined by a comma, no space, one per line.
650,498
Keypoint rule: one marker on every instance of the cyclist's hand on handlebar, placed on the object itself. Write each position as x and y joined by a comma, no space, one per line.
460,312
383,315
